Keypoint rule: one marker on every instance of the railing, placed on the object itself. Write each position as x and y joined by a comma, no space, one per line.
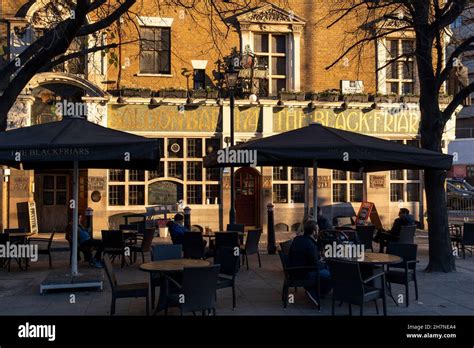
460,209
463,133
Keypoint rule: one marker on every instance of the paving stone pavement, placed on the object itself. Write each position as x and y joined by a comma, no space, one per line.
258,290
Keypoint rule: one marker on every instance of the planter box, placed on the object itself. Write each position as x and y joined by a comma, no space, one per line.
136,93
356,98
386,99
327,97
410,99
212,95
173,94
292,96
199,94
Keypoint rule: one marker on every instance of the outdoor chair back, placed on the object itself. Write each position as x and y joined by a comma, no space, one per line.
253,239
365,235
112,240
227,239
14,230
193,245
147,240
237,228
110,273
228,259
467,237
407,234
405,251
346,279
199,288
163,252
285,246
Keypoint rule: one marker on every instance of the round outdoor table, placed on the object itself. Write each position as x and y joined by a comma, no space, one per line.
379,259
211,235
168,266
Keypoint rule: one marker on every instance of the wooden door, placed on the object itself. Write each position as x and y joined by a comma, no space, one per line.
247,190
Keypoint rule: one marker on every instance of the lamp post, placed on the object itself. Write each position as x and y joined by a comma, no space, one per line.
231,77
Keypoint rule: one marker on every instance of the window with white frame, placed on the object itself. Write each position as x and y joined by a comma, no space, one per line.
405,185
271,50
347,186
400,73
288,185
180,175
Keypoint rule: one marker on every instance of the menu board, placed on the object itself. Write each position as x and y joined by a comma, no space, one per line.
368,211
27,217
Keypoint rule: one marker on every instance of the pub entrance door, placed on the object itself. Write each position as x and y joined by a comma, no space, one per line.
247,196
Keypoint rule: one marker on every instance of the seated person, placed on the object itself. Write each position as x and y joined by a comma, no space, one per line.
86,243
323,222
304,252
404,219
177,229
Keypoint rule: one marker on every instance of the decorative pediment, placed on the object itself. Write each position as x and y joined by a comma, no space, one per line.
270,14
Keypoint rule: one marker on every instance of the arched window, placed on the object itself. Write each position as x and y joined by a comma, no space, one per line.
164,193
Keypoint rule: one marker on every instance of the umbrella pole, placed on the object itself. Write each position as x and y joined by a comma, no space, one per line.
315,190
75,222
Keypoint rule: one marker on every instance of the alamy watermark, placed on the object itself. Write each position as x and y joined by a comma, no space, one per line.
346,251
19,251
237,156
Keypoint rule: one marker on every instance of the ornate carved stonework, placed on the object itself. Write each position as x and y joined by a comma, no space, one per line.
270,15
18,115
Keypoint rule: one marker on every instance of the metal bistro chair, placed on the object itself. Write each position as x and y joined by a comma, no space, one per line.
162,252
365,236
237,228
285,246
295,277
45,244
17,241
144,246
348,286
251,246
199,289
113,244
407,234
226,239
194,246
124,290
408,268
467,238
229,262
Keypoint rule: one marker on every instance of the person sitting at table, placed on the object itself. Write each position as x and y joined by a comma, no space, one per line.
304,253
177,229
404,219
323,222
87,243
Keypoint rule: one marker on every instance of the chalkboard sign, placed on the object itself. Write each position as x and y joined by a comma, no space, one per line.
27,218
33,217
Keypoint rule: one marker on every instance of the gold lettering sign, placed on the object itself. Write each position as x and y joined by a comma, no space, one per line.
96,183
248,120
324,181
370,122
377,181
164,118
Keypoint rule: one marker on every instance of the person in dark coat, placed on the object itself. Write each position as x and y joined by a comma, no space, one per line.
404,219
304,252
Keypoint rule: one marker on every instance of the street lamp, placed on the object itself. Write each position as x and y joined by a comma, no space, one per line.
231,77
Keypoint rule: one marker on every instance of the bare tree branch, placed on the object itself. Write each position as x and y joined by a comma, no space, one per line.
457,101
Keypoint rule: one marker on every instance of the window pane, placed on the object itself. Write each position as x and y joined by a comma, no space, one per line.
396,175
117,175
407,70
357,176
48,182
413,192
261,43
413,174
278,85
278,43
407,88
297,173
48,197
356,194
163,65
175,170
212,194
278,66
147,39
117,195
194,148
194,193
280,193
147,62
61,198
297,193
408,46
396,192
153,174
212,174
164,193
212,145
199,78
280,173
339,175
194,171
175,148
392,71
393,48
136,175
339,193
392,87
61,182
136,195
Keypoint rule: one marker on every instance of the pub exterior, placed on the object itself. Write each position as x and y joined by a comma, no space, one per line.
291,91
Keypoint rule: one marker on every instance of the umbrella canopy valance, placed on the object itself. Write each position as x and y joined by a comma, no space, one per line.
332,149
56,145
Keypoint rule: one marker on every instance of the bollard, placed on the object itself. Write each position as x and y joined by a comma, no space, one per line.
90,221
187,218
271,245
